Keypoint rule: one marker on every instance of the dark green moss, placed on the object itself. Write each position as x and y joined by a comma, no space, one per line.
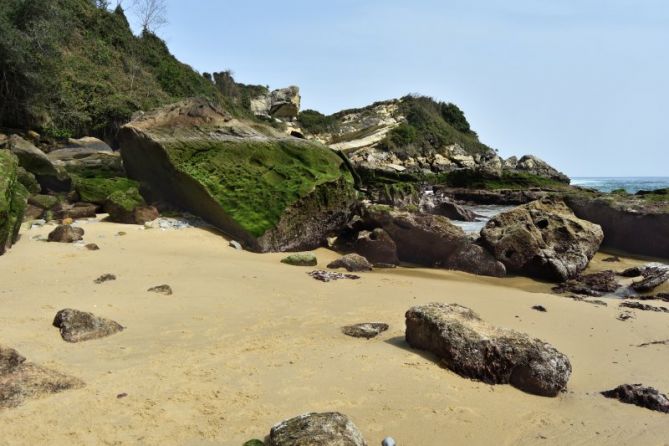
13,198
508,180
127,200
255,181
96,190
44,201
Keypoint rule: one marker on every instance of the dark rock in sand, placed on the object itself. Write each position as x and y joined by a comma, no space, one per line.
634,271
542,239
66,234
78,326
625,315
640,395
301,259
377,246
352,263
653,277
643,307
611,259
105,278
540,308
328,276
475,349
161,289
316,429
432,240
365,330
596,284
92,247
21,380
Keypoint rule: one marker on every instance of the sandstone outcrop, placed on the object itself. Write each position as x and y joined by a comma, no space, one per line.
377,247
474,349
283,103
266,190
542,239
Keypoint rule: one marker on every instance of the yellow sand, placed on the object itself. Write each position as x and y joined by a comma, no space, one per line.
246,341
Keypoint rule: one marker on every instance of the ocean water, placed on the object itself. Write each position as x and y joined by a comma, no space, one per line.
485,212
630,184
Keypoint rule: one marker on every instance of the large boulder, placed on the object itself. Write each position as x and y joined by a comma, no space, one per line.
629,223
432,240
474,349
269,191
542,239
21,380
377,246
453,211
129,207
49,176
283,103
13,200
316,429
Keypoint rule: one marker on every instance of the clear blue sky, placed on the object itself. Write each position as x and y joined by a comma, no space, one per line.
583,84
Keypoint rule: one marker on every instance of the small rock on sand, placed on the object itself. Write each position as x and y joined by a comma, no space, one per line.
365,330
92,247
352,263
640,395
66,234
327,276
161,289
302,259
105,278
77,326
317,429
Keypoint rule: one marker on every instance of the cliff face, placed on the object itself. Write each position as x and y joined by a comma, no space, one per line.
415,137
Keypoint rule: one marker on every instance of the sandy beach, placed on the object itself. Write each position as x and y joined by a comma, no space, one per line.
245,342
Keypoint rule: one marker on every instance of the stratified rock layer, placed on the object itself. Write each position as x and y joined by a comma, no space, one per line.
475,349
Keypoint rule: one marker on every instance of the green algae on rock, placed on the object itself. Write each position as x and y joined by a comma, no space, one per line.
13,199
270,191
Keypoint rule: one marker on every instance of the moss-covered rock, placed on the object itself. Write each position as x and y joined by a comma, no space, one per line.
29,181
13,199
96,190
45,202
129,207
269,191
301,259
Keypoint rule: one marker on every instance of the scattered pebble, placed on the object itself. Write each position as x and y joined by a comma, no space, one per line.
327,276
388,441
161,289
92,247
105,278
121,395
539,308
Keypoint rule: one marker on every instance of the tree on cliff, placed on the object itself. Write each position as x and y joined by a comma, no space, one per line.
152,14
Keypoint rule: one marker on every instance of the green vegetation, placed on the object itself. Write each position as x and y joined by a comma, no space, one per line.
508,180
255,181
430,127
127,200
315,122
13,197
96,190
69,68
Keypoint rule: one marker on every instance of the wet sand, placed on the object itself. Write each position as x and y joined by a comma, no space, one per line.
245,342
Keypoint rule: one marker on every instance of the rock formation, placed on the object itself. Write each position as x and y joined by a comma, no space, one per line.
316,429
542,239
66,234
283,103
13,200
431,240
269,191
640,395
377,247
352,263
475,349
